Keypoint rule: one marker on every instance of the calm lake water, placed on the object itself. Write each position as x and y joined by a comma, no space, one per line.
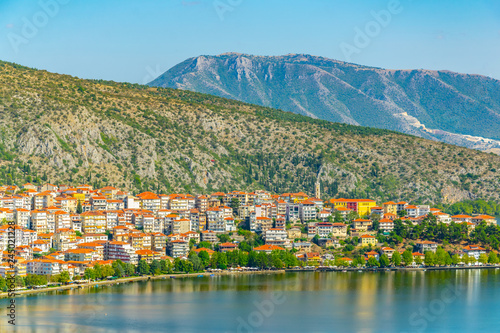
433,301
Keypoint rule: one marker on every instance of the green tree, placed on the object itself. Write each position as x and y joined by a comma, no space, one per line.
418,260
142,267
441,257
3,284
407,257
79,208
205,258
396,258
64,277
430,258
98,272
483,258
118,269
384,260
196,261
154,268
89,274
129,269
372,262
493,258
222,261
205,244
223,238
277,263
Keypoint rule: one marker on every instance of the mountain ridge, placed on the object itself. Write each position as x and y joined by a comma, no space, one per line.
59,128
452,105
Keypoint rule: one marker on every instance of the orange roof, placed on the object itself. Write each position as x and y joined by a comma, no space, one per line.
146,252
80,251
474,248
486,217
228,245
204,249
268,247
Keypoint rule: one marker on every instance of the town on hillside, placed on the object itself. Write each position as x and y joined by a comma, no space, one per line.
73,232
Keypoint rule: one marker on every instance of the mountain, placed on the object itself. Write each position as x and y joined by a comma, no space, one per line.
62,129
455,108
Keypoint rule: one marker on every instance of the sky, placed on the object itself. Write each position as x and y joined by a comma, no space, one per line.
136,41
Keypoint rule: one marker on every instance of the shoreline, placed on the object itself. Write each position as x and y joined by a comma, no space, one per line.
134,279
393,269
207,274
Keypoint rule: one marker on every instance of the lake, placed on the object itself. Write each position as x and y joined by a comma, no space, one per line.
432,301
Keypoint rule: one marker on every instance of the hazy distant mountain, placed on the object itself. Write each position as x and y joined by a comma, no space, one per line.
455,108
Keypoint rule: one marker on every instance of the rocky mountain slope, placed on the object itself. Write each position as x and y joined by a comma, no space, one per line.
455,108
59,128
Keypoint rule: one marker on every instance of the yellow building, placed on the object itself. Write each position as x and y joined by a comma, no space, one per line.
390,207
80,197
366,240
361,206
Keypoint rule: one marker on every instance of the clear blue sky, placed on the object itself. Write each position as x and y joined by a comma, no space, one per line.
133,41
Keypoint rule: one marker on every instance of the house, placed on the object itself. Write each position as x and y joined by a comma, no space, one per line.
115,250
371,254
442,217
490,220
302,246
178,248
294,233
377,210
275,235
209,236
329,242
474,251
366,240
388,251
209,251
424,246
461,218
362,224
386,225
79,255
418,255
148,255
339,230
268,248
227,247
361,206
390,207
